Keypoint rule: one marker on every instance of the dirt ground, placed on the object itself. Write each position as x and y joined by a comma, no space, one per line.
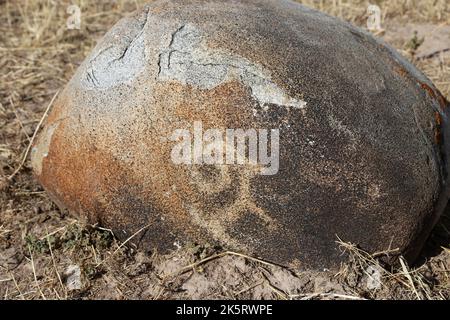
48,254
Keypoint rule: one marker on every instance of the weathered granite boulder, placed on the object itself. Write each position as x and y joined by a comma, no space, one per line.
362,141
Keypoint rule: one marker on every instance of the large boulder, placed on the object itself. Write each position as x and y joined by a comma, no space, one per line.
363,135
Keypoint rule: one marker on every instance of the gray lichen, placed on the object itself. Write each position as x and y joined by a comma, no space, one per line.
189,61
120,61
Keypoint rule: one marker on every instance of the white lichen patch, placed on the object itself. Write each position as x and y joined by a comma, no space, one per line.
188,61
120,59
112,66
40,151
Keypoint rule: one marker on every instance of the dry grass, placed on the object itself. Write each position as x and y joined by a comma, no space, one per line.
401,282
38,242
355,11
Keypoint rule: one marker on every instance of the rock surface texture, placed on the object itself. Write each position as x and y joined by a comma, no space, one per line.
363,137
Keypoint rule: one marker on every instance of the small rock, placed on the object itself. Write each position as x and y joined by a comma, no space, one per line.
73,277
373,277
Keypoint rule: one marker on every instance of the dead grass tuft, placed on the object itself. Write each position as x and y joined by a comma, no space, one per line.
369,277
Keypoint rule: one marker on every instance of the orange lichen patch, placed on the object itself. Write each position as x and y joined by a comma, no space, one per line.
181,189
90,181
438,118
57,112
87,177
65,171
436,95
402,72
428,89
437,130
227,106
432,93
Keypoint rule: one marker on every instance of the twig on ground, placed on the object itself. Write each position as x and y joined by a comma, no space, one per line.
124,243
55,267
27,151
325,295
408,276
17,286
34,274
216,256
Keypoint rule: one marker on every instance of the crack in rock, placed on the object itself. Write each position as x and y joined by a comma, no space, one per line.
121,61
190,62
